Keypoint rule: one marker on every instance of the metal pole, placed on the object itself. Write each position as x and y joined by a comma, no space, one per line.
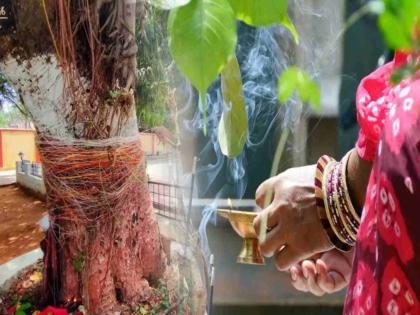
212,274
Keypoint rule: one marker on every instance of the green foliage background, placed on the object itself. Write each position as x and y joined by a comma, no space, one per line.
11,111
203,38
153,62
11,116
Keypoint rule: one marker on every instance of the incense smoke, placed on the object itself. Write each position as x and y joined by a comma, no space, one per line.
263,54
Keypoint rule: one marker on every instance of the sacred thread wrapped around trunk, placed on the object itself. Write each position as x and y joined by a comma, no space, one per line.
103,242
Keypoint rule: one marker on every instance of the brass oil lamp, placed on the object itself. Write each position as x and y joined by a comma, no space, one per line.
242,223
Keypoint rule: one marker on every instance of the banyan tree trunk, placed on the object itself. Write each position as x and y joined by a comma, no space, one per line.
103,242
103,245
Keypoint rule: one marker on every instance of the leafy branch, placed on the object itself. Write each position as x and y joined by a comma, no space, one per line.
203,38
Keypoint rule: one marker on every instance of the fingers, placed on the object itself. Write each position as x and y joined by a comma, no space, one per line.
325,273
265,190
330,281
310,273
298,280
339,281
325,281
272,242
339,262
286,258
267,218
258,222
304,278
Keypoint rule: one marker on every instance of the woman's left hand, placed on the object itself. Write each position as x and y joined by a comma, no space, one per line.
324,273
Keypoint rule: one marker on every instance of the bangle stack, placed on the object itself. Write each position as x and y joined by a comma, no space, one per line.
338,216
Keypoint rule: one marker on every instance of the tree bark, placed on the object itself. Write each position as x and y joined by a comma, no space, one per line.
112,260
109,249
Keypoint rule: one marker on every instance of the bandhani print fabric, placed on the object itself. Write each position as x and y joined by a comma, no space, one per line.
386,269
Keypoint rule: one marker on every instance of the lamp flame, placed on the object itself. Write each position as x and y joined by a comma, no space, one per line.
229,201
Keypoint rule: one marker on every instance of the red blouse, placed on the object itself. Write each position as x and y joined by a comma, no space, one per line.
386,270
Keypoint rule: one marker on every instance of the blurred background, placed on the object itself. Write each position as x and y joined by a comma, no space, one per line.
336,54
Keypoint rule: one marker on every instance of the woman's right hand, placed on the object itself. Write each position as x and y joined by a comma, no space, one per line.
289,222
328,272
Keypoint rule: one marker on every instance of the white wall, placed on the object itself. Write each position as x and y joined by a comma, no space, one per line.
26,180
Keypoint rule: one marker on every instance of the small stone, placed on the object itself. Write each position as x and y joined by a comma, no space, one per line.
27,284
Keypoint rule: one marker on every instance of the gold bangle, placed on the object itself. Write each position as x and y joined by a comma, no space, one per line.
345,161
325,196
340,210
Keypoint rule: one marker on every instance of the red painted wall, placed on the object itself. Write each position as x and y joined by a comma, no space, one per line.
37,155
1,150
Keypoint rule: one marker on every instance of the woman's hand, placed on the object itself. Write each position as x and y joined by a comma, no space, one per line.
326,273
294,228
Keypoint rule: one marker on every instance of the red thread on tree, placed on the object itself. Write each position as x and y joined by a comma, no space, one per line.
98,203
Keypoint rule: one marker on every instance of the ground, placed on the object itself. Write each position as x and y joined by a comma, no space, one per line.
19,228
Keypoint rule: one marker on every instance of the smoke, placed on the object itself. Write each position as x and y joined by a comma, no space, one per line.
263,53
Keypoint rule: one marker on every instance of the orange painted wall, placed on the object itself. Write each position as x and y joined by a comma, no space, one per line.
14,141
152,145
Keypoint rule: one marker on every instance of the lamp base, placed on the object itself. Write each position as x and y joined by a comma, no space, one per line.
250,253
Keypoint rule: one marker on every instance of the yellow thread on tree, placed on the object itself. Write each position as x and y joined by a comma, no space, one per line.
50,29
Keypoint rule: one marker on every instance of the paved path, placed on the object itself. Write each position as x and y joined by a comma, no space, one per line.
7,178
12,267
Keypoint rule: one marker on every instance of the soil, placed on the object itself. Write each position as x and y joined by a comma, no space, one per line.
25,287
19,228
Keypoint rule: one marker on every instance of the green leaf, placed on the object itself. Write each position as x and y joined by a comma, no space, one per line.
79,262
409,13
287,84
398,23
394,31
286,22
202,39
264,13
113,94
233,126
24,306
314,95
296,80
259,12
403,72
